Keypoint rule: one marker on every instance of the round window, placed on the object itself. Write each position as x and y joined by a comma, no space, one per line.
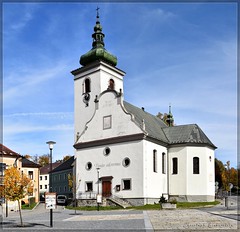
89,166
126,162
107,151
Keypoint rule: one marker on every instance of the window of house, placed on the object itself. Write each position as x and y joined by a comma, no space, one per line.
154,160
163,162
107,122
40,186
126,162
87,86
65,188
88,166
30,174
45,177
111,84
60,176
106,151
195,165
2,168
175,166
89,186
126,184
45,186
40,177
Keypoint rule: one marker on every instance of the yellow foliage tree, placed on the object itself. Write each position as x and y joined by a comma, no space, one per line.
16,186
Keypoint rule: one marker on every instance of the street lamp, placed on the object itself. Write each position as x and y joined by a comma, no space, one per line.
227,166
98,189
50,144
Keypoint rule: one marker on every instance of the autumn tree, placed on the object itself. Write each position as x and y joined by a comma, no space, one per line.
65,158
73,185
43,160
225,175
16,186
27,156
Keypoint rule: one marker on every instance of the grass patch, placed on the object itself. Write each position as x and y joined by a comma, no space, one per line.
93,208
180,205
27,206
196,204
146,207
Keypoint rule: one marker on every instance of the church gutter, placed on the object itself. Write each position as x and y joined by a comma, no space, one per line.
114,140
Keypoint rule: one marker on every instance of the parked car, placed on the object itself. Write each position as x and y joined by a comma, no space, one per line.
61,200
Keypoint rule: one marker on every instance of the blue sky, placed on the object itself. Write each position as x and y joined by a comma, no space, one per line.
179,53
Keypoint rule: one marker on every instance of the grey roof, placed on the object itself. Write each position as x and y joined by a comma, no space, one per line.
157,129
65,165
153,124
187,134
28,163
46,169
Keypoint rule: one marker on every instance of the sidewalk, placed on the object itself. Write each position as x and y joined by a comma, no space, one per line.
217,218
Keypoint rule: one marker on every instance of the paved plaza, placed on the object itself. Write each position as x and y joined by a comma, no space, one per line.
217,218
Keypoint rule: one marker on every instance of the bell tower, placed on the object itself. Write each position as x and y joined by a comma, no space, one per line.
97,73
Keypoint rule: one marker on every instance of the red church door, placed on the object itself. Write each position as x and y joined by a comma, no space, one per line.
106,188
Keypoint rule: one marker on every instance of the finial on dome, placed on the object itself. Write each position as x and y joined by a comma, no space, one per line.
98,51
97,14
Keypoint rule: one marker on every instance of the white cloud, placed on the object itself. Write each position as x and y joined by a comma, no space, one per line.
21,16
29,79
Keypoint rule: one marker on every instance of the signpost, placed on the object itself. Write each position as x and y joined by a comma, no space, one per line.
99,200
51,203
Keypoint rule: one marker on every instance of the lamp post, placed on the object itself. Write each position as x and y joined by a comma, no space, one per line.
227,166
98,188
50,144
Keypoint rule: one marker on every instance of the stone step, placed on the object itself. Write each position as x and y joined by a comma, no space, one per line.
124,204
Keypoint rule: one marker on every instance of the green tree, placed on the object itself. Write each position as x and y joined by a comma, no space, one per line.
219,173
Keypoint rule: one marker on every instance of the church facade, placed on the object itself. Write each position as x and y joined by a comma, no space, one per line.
125,152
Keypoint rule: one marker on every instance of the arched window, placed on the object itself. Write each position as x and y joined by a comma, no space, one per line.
87,85
154,160
175,166
111,84
163,162
195,165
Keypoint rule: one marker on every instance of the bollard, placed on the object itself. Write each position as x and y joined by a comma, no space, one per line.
226,202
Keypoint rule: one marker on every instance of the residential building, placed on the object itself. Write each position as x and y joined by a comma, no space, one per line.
32,170
44,179
60,178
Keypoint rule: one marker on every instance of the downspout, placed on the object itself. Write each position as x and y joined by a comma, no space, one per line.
168,174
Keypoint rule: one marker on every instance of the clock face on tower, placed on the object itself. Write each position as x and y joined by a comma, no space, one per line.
86,98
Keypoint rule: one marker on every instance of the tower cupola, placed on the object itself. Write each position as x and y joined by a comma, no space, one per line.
98,51
170,119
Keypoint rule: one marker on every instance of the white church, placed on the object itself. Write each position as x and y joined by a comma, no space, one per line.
125,152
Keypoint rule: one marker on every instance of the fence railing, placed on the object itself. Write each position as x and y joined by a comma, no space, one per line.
87,195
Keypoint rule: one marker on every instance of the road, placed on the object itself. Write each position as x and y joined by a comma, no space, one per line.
217,218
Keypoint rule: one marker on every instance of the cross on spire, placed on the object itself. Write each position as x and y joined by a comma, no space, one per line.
97,12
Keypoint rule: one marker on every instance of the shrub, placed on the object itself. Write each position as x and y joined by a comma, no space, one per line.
173,201
162,200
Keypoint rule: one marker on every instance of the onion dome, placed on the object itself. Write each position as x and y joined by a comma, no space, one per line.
98,51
